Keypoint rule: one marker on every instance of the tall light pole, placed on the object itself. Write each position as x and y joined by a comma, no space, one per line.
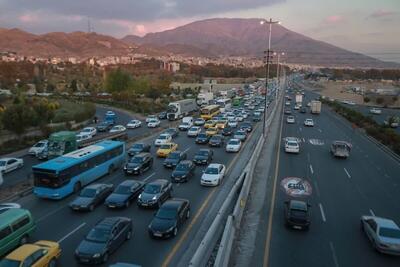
278,68
269,22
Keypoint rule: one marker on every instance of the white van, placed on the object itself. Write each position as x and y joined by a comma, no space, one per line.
187,123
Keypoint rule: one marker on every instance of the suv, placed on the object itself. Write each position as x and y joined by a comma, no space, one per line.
203,156
138,148
297,214
155,193
174,158
139,164
104,239
104,126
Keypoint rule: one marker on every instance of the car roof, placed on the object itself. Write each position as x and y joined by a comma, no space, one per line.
298,205
130,182
22,252
384,222
185,162
204,149
94,186
214,165
174,203
234,139
142,154
159,182
109,222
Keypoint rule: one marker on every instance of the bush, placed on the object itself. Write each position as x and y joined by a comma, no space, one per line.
367,99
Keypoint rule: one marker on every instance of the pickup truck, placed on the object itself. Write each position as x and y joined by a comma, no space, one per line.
340,149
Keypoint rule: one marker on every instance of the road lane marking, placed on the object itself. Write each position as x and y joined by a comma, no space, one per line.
71,233
319,130
49,214
372,212
311,169
300,129
308,157
271,208
187,149
316,187
335,260
347,173
148,177
322,212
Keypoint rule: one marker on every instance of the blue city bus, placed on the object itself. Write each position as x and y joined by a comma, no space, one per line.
62,176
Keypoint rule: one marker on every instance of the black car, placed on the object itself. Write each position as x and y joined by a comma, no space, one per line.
216,141
162,115
227,131
183,171
173,132
105,238
124,194
104,126
169,218
246,126
155,193
91,196
202,138
203,156
174,158
297,214
139,164
303,109
138,148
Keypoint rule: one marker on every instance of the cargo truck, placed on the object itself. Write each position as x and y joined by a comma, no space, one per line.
315,107
299,98
179,109
204,98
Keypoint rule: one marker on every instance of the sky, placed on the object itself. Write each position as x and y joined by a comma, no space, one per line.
367,26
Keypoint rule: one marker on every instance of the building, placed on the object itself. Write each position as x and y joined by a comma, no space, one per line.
170,66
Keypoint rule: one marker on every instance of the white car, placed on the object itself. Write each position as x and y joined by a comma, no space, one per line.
194,131
199,122
290,119
89,131
150,117
232,123
309,123
82,137
134,124
252,107
118,129
245,115
287,103
38,148
296,107
375,111
292,145
240,118
153,123
184,126
231,117
10,164
163,139
233,145
213,174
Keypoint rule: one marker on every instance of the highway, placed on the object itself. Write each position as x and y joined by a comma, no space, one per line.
367,183
55,221
123,118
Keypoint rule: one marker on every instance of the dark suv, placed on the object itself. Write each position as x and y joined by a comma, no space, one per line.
155,193
104,126
297,214
216,141
202,138
183,171
246,126
174,158
203,156
139,164
138,148
105,238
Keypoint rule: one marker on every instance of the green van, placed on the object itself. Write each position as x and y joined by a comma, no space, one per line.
16,226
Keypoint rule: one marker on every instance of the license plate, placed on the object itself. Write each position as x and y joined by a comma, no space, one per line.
158,234
85,260
144,204
112,206
76,208
296,227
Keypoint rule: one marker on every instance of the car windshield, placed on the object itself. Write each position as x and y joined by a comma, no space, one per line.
9,263
194,129
136,160
211,170
40,144
165,146
88,192
166,214
292,143
174,156
182,167
122,189
202,135
133,121
137,146
152,189
163,137
152,120
202,153
298,213
239,133
99,235
234,142
86,130
389,232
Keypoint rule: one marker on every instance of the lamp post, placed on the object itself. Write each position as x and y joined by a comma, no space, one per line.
269,22
278,71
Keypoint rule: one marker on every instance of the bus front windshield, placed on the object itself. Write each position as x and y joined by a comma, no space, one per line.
46,180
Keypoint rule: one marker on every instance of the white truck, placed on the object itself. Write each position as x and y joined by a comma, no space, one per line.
227,93
316,107
179,109
299,98
204,98
187,123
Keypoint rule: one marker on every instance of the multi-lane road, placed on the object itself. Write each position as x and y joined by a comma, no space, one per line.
55,221
367,183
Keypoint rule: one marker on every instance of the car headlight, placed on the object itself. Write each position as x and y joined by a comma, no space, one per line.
140,196
170,229
97,255
125,168
154,198
136,168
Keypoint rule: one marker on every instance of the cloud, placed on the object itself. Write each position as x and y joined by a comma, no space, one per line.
382,14
334,19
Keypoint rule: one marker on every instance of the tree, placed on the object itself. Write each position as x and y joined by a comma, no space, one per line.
74,85
367,99
380,100
118,80
17,118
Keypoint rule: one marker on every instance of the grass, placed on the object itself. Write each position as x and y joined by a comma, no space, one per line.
74,111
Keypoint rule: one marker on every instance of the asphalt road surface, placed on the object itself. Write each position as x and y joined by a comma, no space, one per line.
55,221
367,183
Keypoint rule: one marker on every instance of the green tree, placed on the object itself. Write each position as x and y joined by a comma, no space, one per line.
118,80
17,118
380,100
74,85
367,99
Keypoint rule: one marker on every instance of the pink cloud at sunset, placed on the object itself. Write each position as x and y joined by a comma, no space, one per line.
334,19
382,13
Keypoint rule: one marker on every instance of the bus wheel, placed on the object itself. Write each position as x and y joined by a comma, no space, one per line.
77,187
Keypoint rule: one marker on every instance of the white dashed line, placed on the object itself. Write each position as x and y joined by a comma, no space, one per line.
300,129
311,169
148,177
372,212
347,173
320,130
334,254
316,188
186,150
322,212
71,233
304,140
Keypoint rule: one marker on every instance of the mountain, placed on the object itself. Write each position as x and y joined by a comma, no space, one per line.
60,44
247,37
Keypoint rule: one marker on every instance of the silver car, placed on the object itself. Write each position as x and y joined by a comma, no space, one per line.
384,234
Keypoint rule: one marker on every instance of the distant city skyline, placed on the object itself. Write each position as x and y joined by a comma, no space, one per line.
365,26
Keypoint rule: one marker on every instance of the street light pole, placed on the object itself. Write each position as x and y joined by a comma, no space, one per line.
268,52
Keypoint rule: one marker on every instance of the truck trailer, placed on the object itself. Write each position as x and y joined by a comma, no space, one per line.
179,109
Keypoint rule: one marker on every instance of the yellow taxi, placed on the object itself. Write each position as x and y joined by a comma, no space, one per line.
221,124
212,131
40,254
209,123
165,149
